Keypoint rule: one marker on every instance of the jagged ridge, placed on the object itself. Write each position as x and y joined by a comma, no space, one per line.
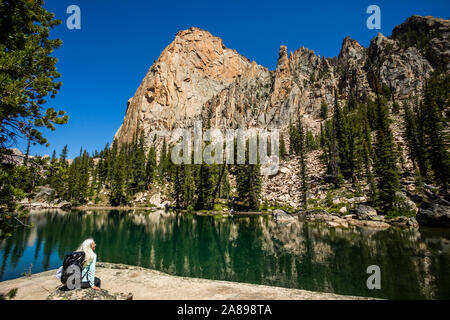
197,77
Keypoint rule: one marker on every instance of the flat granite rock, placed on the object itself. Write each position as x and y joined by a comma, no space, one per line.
147,284
88,294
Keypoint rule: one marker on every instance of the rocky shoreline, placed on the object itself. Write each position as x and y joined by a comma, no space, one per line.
363,216
341,211
124,282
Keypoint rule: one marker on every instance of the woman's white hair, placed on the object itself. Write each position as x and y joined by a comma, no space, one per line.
86,247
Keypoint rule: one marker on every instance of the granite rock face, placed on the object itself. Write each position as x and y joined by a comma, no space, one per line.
365,212
430,36
191,70
197,78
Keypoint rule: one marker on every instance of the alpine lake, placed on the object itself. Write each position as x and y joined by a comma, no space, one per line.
414,263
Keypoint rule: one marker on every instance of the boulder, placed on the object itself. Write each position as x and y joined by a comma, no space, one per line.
43,194
406,203
156,200
64,205
370,224
284,170
357,200
403,221
438,216
280,215
378,218
412,222
365,212
87,294
338,223
343,210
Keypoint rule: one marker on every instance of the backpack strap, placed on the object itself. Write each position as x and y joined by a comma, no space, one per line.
87,271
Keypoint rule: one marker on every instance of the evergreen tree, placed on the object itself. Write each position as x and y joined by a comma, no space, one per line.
83,182
163,162
414,140
334,144
386,170
204,185
283,152
293,139
178,192
119,184
52,171
324,111
28,73
436,102
248,183
188,186
139,178
63,155
151,167
302,153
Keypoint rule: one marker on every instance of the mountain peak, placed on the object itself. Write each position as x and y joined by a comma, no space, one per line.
190,71
194,34
350,49
429,35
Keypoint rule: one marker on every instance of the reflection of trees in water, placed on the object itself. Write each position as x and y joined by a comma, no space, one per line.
255,250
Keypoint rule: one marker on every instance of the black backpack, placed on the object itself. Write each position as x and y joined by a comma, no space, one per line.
72,259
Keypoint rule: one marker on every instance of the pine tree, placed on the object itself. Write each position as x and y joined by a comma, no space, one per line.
52,171
188,186
324,111
83,182
163,162
111,160
28,72
178,193
334,145
386,170
225,188
119,184
414,140
63,155
293,139
139,179
218,183
204,185
151,167
303,170
283,152
436,101
248,183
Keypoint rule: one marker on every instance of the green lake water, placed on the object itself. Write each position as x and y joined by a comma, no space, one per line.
414,264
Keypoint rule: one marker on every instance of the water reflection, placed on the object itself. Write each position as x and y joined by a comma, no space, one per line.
414,263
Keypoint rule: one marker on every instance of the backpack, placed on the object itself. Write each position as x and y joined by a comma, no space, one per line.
75,259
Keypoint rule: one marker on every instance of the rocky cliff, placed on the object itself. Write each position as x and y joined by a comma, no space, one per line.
197,77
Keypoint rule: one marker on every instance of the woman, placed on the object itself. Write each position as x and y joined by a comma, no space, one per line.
88,278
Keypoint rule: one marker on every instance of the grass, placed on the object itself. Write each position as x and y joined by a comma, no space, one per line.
284,207
397,212
220,206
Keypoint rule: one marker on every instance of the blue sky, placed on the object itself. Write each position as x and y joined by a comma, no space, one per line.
103,63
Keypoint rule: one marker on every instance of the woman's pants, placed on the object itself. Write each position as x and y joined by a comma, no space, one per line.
85,284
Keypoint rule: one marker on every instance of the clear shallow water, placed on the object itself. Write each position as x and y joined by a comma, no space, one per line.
414,264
